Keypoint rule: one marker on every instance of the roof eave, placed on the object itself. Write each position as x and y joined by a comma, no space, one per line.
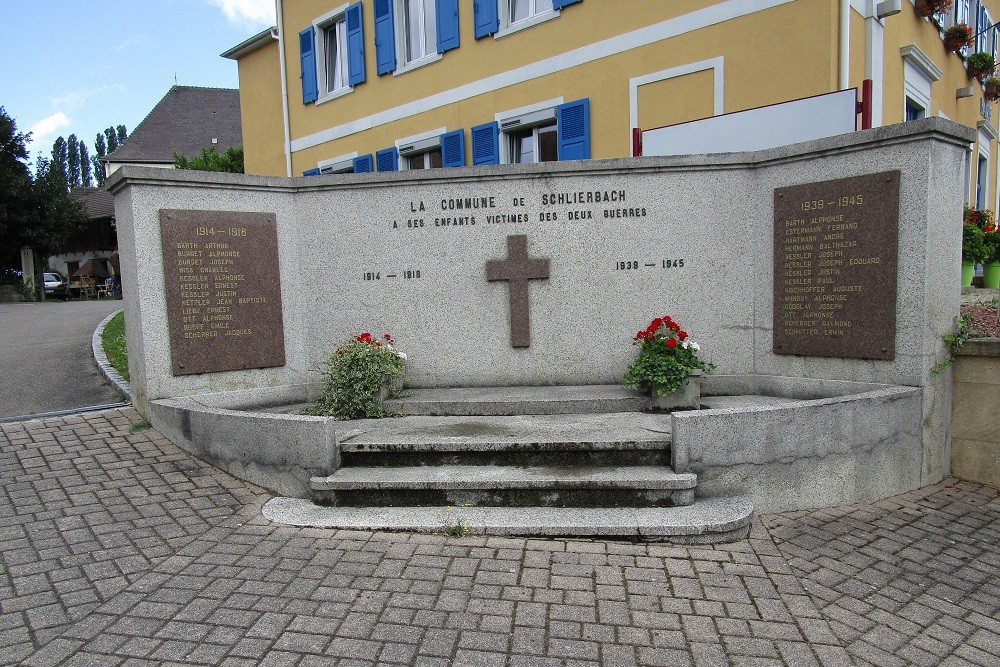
259,40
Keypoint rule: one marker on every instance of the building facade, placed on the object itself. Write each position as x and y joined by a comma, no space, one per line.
378,85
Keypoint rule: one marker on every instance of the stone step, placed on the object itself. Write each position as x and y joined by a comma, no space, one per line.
510,486
498,401
559,432
708,521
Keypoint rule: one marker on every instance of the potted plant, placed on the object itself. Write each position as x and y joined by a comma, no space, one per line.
980,65
957,36
974,251
668,365
991,263
362,372
928,8
991,89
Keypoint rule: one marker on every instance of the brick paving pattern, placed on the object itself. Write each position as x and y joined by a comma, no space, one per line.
120,549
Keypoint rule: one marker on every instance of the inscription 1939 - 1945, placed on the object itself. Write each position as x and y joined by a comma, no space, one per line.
222,290
835,259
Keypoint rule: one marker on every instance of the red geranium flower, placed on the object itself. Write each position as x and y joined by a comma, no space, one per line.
682,335
671,342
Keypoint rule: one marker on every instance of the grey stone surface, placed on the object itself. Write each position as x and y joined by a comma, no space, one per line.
520,400
717,516
137,553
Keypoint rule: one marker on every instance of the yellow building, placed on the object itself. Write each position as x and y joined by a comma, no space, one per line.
411,84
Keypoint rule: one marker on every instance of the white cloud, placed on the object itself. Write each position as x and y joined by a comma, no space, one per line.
77,98
247,13
49,127
134,40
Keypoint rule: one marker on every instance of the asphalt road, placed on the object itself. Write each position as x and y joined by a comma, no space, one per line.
46,363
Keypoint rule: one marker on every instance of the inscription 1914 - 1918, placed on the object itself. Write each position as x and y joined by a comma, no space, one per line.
835,259
222,290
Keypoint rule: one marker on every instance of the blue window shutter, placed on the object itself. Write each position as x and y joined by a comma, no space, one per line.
363,164
387,159
355,45
385,37
486,144
573,130
559,4
487,17
307,51
453,149
311,172
447,25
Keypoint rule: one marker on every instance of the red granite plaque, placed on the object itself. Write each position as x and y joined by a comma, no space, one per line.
835,258
220,271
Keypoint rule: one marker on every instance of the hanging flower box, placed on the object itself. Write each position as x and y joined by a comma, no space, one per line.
956,37
980,65
928,8
992,89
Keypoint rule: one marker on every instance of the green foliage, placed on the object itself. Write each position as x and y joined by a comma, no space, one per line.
212,160
981,62
35,212
666,358
454,525
973,248
355,374
113,342
991,241
955,340
72,161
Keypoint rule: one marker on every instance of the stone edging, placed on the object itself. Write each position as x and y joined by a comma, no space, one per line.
107,370
980,347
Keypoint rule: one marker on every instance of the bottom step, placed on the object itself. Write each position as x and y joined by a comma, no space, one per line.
707,521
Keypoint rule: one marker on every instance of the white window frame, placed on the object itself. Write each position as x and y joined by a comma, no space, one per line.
400,22
418,144
320,26
342,164
512,120
919,72
507,27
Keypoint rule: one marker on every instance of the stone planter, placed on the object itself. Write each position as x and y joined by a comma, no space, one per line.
688,395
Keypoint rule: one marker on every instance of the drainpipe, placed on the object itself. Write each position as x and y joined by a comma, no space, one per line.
845,43
284,87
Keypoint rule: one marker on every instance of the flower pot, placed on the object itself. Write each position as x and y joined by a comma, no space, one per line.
977,73
992,92
688,395
991,275
968,271
954,44
924,8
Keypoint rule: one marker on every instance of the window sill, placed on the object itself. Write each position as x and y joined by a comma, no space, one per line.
337,94
526,23
417,64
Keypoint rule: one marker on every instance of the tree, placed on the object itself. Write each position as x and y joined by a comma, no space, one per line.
211,160
121,133
112,139
85,178
59,153
102,149
35,212
72,161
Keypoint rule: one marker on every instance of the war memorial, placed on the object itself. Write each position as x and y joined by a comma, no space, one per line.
818,278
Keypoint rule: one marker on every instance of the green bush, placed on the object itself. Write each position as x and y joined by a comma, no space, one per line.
354,376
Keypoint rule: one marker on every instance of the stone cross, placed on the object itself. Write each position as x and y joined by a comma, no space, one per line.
518,269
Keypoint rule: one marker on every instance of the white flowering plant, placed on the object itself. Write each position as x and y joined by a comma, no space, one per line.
355,375
666,358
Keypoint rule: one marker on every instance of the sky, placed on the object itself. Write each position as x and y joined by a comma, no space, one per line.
79,66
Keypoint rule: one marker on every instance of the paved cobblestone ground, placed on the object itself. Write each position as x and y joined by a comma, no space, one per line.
120,549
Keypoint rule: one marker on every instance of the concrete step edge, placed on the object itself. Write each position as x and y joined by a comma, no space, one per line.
709,520
505,477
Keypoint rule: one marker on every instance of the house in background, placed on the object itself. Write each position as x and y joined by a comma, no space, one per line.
185,121
97,241
401,84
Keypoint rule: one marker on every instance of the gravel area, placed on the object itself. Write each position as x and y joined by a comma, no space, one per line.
981,304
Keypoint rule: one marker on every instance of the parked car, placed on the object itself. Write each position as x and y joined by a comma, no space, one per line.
57,286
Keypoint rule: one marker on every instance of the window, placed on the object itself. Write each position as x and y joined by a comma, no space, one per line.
332,54
334,72
914,111
499,17
419,30
982,172
545,133
533,144
521,10
427,160
409,33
